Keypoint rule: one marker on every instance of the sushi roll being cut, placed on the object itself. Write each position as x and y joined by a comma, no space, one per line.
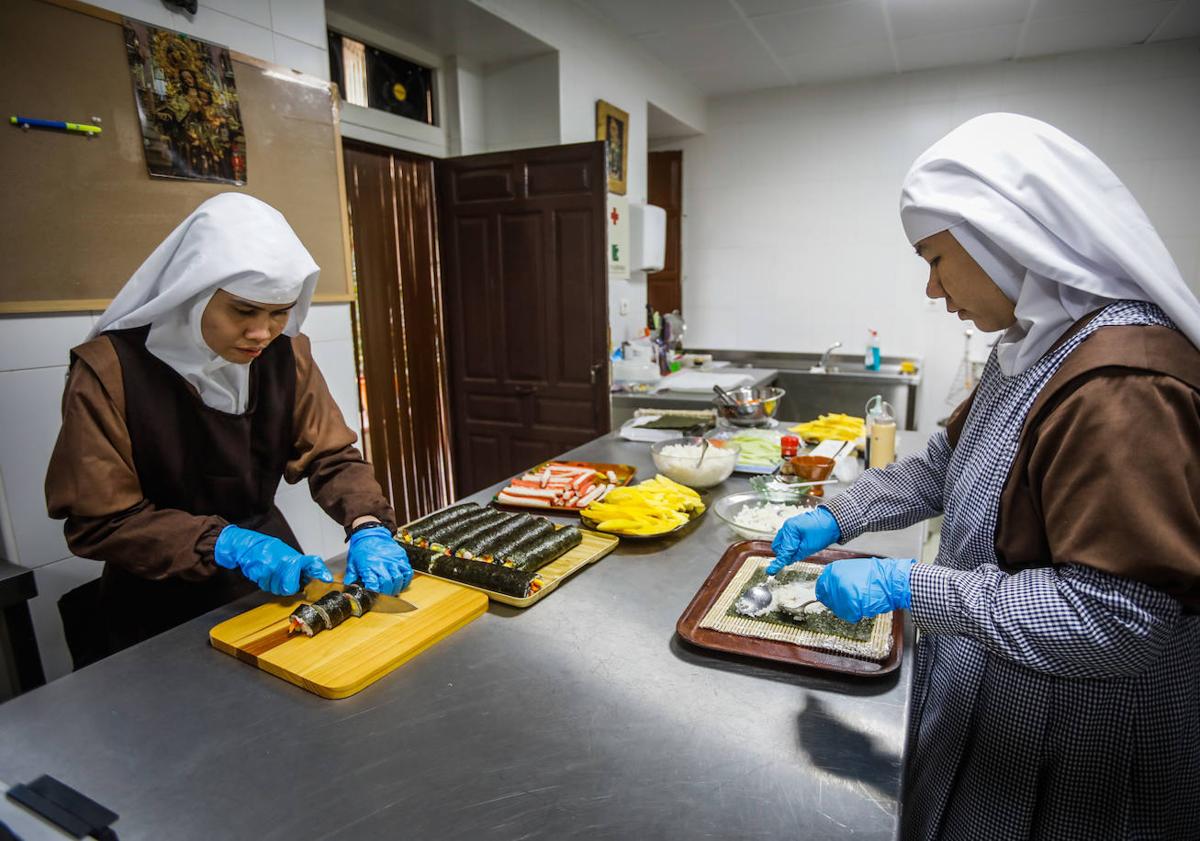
331,610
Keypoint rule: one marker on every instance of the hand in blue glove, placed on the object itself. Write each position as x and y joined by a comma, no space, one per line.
803,535
858,588
267,561
378,561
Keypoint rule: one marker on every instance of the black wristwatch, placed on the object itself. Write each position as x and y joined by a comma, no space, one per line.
369,524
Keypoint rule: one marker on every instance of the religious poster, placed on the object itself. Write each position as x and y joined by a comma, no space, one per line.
188,105
617,223
612,126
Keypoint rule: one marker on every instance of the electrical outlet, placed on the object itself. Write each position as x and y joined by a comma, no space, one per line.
624,308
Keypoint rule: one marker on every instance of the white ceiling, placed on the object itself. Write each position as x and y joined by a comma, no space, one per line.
725,46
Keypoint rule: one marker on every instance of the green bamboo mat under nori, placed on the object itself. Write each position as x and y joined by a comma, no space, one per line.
536,555
822,623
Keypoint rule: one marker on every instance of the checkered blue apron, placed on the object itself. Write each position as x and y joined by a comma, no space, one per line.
1031,715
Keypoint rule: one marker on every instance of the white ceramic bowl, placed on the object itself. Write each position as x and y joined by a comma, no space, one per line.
716,467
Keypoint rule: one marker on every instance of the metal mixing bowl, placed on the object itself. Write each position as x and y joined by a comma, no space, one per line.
755,406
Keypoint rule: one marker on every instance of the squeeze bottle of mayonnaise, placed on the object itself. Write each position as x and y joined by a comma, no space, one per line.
881,435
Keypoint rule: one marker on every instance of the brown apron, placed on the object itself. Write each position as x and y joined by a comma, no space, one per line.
194,458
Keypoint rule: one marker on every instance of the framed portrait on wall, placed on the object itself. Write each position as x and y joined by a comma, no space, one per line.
612,126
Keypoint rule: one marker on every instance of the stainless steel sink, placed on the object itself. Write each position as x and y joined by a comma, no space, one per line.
844,385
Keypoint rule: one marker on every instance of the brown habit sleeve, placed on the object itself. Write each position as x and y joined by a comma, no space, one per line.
340,481
93,484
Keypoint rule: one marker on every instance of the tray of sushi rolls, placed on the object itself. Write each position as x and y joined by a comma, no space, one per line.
514,557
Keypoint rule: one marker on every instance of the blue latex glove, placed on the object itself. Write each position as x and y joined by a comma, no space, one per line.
801,536
378,561
858,588
267,561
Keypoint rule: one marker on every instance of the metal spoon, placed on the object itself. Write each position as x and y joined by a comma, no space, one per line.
725,396
754,600
703,451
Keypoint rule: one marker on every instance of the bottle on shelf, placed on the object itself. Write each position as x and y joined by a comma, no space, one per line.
871,358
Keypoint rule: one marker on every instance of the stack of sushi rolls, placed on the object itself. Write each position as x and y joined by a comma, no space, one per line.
486,547
331,610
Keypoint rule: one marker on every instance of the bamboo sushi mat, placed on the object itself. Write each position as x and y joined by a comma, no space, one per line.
718,619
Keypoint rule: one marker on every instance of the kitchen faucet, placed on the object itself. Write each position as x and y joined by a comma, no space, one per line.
825,356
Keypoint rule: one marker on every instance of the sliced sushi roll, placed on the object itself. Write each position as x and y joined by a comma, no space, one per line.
419,557
502,549
480,545
307,620
509,582
435,519
534,555
336,606
361,599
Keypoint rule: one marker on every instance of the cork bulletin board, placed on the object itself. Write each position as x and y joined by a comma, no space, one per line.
81,214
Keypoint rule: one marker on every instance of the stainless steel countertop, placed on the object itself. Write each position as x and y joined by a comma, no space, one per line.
583,716
762,376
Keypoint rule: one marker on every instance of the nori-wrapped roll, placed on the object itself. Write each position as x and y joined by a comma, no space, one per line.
439,534
480,545
361,599
306,619
437,518
509,582
419,557
473,529
532,556
540,528
336,606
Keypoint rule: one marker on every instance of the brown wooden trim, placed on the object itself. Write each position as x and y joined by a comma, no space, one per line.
87,9
67,305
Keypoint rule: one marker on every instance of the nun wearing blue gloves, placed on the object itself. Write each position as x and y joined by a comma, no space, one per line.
1055,686
194,396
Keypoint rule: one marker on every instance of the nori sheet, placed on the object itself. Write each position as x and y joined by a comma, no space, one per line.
482,545
336,606
680,422
419,557
499,579
821,623
439,517
447,530
483,525
536,555
539,529
361,599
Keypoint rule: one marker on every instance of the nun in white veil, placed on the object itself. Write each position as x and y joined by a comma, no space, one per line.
194,396
1056,685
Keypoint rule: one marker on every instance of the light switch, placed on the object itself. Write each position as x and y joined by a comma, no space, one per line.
624,308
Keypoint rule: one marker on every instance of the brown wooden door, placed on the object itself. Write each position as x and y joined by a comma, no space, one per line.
526,303
664,175
398,320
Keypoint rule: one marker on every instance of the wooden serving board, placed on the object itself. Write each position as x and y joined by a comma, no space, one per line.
339,662
688,626
594,547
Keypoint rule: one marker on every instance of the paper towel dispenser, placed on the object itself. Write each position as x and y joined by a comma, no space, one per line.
647,237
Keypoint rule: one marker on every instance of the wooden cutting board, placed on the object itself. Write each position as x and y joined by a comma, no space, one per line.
339,662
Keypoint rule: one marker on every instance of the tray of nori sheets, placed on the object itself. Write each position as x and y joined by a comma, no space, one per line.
514,558
688,626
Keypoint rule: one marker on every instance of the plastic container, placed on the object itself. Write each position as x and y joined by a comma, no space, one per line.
716,467
880,432
871,358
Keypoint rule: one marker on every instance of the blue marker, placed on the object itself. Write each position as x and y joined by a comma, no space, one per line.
26,122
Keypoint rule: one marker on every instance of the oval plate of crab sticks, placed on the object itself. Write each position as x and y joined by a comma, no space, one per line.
564,485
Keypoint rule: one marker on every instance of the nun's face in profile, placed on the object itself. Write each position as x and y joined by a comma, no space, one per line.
239,330
955,276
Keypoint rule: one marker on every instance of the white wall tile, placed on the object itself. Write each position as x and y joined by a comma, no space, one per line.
328,323
303,20
29,418
255,11
300,56
40,341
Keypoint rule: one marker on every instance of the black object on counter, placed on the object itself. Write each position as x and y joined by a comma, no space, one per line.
534,555
504,580
66,808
